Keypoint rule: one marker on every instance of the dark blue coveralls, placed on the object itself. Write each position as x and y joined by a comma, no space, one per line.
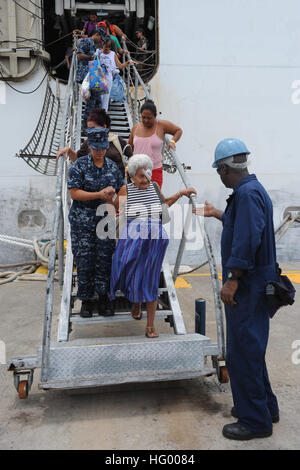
248,243
93,255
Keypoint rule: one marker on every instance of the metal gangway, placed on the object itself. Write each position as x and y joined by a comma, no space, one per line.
91,362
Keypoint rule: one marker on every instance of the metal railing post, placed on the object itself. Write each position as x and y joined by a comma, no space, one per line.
61,253
50,278
57,232
136,88
186,227
211,261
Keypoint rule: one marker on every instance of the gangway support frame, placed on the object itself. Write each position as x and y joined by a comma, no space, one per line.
93,362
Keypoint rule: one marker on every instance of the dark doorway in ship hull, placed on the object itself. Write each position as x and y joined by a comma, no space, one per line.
58,35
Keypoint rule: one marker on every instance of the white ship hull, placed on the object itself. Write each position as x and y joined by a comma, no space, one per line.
226,69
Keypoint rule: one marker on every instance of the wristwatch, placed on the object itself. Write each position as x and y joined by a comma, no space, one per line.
231,276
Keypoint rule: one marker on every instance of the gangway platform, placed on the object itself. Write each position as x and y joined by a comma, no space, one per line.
91,362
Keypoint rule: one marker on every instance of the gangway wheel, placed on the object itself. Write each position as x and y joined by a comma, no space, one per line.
223,375
23,386
23,389
221,369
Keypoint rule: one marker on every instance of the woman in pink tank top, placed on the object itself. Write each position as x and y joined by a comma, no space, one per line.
147,137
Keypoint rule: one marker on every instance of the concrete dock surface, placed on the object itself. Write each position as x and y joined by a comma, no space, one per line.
177,415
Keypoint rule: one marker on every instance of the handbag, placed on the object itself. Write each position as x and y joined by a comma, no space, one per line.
165,217
85,88
279,293
98,81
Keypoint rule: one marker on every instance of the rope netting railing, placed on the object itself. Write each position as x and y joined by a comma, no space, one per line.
40,152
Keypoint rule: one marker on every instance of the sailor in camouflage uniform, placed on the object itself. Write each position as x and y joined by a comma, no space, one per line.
93,181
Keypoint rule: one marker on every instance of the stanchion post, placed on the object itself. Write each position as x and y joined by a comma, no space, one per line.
200,316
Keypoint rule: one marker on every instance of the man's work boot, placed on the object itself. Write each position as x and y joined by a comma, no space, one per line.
109,308
101,304
238,432
86,308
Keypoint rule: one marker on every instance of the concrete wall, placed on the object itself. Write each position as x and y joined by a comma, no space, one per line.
227,69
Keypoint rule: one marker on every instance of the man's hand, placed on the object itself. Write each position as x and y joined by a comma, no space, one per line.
208,210
228,291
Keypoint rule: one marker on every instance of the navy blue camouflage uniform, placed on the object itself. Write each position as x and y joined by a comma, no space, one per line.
93,256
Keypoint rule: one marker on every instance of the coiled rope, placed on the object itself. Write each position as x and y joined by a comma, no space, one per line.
41,253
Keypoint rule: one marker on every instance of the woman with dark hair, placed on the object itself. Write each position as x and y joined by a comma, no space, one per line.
90,25
147,137
118,148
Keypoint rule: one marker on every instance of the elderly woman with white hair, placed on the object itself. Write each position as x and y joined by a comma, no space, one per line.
142,244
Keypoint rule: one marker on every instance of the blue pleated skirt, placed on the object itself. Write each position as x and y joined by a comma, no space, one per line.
137,261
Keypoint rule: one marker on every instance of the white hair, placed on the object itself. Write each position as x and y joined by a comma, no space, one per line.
139,161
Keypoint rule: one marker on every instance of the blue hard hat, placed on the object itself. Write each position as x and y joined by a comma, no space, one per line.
228,148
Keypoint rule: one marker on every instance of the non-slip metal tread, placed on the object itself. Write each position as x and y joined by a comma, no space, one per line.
137,339
118,317
104,361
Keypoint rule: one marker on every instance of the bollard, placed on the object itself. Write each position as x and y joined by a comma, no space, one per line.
200,316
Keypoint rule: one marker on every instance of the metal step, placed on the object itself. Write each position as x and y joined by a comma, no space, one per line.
108,361
117,129
118,113
119,123
117,318
122,127
118,293
117,107
124,134
116,104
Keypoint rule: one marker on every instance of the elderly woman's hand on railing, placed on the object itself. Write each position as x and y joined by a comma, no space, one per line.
188,192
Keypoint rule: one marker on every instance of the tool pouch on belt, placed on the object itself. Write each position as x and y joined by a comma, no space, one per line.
279,293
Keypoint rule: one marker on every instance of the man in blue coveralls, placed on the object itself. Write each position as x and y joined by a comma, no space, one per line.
248,263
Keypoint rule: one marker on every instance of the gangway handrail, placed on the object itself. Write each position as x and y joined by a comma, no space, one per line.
206,240
139,78
57,236
210,256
